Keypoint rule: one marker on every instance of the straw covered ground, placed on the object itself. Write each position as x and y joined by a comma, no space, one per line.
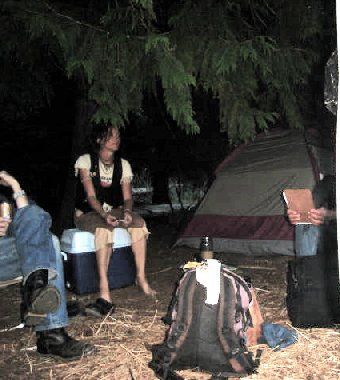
123,341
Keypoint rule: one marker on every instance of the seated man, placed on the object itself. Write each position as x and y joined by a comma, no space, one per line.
43,293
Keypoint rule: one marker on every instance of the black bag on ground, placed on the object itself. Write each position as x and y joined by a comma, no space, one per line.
307,302
330,253
208,337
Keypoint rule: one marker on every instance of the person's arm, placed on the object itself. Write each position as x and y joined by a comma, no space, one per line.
128,202
331,214
318,216
19,195
92,198
126,179
324,195
86,180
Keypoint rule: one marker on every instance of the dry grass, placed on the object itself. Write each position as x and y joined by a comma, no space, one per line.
123,340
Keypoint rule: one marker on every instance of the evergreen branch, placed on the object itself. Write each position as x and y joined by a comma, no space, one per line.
61,15
270,8
256,15
85,24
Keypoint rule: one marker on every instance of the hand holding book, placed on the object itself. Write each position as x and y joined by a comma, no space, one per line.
318,216
301,207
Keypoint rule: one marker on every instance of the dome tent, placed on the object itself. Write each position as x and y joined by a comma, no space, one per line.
243,210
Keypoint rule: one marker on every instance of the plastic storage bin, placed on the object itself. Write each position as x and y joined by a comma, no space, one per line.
81,266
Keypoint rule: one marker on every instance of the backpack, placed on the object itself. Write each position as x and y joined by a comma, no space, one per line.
210,337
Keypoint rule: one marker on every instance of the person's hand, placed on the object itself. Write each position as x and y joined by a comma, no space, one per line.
4,223
18,194
127,218
9,181
317,216
111,220
293,216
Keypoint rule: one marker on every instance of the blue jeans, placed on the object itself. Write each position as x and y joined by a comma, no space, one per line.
33,247
307,239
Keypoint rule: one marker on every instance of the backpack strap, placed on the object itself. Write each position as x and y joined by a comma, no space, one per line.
179,328
182,306
232,344
239,280
240,314
159,366
182,314
245,314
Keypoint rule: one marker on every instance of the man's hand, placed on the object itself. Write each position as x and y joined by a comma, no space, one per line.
9,181
293,216
18,194
317,216
4,223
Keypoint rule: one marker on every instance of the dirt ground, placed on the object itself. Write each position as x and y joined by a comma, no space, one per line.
123,340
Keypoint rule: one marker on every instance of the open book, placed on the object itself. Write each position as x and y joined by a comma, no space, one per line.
300,200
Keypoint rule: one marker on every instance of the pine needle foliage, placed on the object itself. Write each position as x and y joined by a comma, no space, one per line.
243,52
236,53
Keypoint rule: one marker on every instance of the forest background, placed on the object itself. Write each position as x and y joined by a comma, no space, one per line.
187,81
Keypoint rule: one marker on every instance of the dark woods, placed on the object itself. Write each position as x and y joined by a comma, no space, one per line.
187,81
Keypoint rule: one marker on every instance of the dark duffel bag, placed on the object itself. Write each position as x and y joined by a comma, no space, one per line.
307,301
330,252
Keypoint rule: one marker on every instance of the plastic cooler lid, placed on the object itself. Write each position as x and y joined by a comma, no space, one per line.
76,241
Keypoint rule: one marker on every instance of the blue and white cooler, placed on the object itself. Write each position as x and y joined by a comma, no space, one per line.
80,261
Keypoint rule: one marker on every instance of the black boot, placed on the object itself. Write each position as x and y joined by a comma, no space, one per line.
39,298
57,342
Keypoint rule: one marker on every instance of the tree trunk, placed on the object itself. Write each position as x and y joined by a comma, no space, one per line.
81,130
160,185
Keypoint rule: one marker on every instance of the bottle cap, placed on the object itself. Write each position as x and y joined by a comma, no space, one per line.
206,244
